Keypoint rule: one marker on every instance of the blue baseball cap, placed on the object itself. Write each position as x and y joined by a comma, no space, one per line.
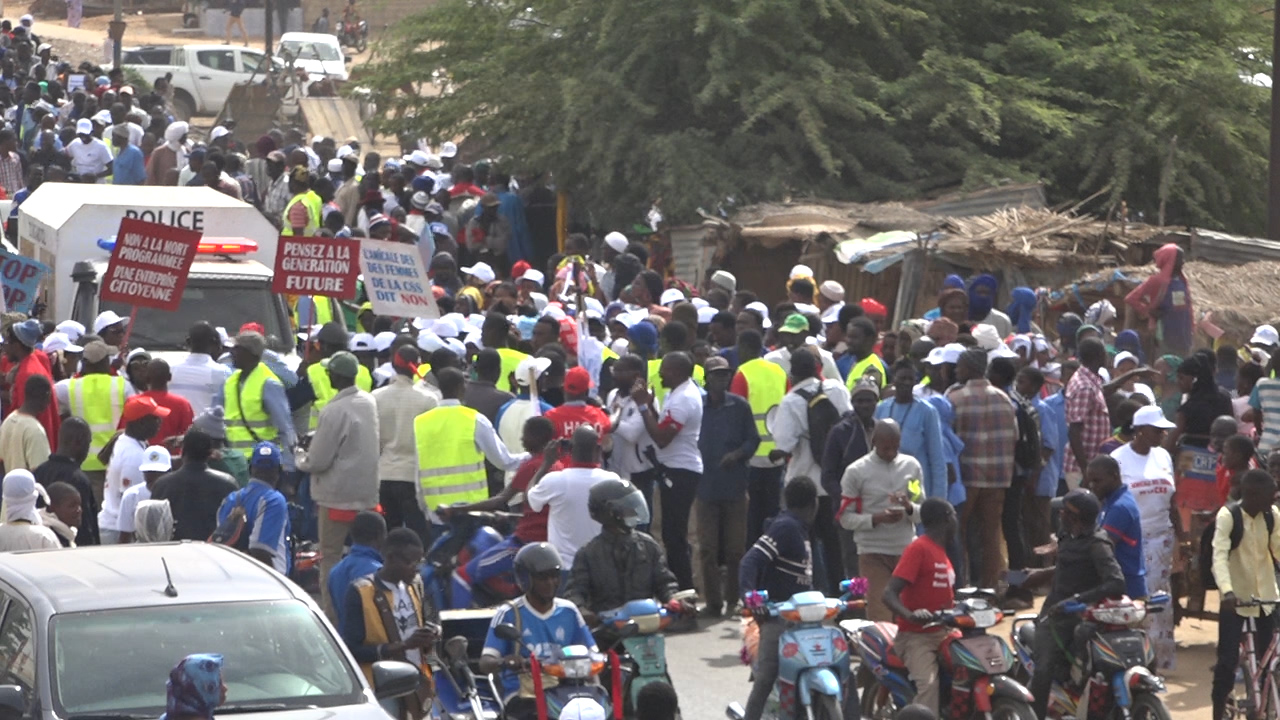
265,455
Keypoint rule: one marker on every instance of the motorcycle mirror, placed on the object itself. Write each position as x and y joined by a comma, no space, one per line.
455,648
507,631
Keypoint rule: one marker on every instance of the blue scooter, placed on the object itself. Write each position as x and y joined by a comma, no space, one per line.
644,650
814,676
460,693
469,535
575,667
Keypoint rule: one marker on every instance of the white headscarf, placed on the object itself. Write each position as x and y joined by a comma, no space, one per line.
20,494
153,521
173,140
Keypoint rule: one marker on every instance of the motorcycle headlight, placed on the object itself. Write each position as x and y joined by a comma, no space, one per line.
1128,615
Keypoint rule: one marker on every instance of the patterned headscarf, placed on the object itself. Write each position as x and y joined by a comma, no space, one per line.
194,687
943,331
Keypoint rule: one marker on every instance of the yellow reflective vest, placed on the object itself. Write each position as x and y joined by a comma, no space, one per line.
98,399
314,207
655,379
318,375
766,386
870,362
510,359
450,466
245,411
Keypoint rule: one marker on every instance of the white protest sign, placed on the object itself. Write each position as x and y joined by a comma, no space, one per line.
395,280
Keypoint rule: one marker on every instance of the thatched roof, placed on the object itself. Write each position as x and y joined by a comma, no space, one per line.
772,224
1241,297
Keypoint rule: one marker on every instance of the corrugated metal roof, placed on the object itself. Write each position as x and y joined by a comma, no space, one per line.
985,202
1227,249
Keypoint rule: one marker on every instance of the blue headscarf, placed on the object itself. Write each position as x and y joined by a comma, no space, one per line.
644,335
980,307
1129,340
194,687
953,281
1021,308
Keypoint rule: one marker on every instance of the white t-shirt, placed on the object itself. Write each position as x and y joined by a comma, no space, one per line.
406,619
569,523
129,506
1150,479
683,407
122,474
89,158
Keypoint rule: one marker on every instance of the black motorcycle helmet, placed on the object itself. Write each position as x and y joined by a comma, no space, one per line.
617,502
534,559
1079,502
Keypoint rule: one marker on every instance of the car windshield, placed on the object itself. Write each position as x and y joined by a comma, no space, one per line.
221,303
310,51
275,654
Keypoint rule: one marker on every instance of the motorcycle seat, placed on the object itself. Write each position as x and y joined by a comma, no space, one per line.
877,639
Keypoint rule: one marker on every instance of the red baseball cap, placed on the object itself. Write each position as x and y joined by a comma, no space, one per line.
577,381
253,327
142,406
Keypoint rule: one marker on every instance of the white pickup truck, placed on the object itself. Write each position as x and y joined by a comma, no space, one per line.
203,75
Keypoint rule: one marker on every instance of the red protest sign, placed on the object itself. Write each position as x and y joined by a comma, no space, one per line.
317,266
149,264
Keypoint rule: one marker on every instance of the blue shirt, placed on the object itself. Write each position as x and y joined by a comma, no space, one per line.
1053,435
266,520
360,561
1124,526
726,428
522,395
780,562
921,439
844,364
129,168
952,446
546,634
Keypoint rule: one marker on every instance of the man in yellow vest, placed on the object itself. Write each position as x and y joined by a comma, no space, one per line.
98,398
453,442
342,457
315,388
861,337
302,213
496,334
254,404
386,616
763,384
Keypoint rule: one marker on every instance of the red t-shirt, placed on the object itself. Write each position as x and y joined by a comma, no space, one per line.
179,419
533,525
37,363
930,579
571,415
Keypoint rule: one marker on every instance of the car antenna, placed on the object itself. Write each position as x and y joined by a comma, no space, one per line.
169,590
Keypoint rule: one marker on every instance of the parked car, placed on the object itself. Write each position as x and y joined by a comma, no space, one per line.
203,75
93,633
319,54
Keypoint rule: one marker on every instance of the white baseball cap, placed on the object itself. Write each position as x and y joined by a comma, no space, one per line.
218,132
763,310
671,295
417,157
72,329
937,356
429,341
480,271
1000,351
449,149
531,366
1122,357
444,328
456,346
1153,416
84,126
382,341
953,351
706,314
616,240
106,319
532,275
800,271
361,342
59,341
156,459
699,303
1265,335
832,314
335,165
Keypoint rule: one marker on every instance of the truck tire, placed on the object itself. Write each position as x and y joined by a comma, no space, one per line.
183,106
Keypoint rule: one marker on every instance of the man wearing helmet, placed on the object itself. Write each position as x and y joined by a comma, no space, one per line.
547,624
1089,574
620,564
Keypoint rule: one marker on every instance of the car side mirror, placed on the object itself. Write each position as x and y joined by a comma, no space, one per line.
507,631
393,679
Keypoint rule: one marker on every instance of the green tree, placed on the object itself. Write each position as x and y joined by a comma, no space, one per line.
626,101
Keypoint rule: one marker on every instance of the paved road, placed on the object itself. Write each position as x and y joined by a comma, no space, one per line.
708,674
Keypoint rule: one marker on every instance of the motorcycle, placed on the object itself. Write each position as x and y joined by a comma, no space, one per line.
974,667
460,693
468,536
644,653
354,34
1113,679
813,659
576,668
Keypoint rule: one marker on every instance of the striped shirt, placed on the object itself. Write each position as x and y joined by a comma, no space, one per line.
780,562
988,425
1266,400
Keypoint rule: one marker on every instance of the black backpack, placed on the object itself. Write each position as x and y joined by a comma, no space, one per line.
1237,534
1026,453
822,416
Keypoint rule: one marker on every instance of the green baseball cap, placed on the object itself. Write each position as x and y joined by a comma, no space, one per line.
795,323
344,364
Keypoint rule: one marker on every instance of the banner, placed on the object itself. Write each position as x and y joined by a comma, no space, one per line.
149,265
395,281
21,278
316,266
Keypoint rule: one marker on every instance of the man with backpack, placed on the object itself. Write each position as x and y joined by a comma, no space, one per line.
255,519
804,419
1001,372
1245,545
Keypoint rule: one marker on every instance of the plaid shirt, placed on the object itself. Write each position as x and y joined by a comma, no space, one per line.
278,197
11,174
1087,406
987,423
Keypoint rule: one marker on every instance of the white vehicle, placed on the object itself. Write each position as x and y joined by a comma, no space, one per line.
319,54
203,75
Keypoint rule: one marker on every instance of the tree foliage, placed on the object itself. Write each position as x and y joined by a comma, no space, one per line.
695,102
